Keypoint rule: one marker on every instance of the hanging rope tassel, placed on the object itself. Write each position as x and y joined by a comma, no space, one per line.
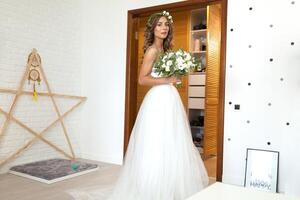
35,96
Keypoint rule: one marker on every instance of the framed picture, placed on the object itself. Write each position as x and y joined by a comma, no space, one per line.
262,170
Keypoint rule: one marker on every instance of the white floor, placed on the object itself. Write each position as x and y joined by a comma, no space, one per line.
221,191
13,187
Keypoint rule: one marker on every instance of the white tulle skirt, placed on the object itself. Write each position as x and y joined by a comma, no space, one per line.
161,162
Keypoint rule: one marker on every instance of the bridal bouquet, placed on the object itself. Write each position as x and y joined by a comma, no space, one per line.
178,63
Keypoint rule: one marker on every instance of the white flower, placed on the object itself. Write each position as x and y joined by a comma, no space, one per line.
167,14
169,63
188,56
179,53
170,54
167,68
180,60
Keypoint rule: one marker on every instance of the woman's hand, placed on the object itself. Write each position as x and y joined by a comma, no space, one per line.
174,79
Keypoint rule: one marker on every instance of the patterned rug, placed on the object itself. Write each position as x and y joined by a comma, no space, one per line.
53,170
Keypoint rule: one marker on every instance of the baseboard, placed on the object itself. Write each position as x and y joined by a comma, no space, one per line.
233,180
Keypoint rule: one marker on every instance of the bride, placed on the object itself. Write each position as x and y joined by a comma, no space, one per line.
161,162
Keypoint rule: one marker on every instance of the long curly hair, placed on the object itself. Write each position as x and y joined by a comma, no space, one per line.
149,32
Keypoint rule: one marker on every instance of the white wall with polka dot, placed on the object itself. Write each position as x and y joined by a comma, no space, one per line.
262,92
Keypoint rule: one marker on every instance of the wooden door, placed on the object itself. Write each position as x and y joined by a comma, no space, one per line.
212,80
180,40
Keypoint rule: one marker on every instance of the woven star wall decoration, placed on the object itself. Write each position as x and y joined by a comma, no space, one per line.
34,71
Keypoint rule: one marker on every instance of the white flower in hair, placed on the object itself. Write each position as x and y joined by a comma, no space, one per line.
167,14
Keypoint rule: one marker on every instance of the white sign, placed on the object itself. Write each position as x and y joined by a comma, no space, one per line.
262,170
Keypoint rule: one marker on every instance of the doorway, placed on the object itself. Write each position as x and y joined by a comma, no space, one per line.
214,101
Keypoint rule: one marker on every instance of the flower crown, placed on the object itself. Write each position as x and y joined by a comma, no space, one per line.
167,14
164,13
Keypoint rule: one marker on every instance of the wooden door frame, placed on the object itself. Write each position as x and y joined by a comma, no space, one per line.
131,64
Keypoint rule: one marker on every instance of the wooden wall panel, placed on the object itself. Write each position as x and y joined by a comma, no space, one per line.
141,89
181,41
212,80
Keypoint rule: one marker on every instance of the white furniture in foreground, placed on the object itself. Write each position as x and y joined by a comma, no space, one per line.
221,191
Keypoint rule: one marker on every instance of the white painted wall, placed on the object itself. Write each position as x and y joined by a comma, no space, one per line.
104,41
252,65
53,28
104,69
94,33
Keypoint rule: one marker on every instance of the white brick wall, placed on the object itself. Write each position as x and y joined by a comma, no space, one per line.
53,28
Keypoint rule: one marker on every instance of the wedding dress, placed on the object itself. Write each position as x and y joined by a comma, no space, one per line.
162,162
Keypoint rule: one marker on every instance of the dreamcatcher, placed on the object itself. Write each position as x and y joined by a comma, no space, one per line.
34,62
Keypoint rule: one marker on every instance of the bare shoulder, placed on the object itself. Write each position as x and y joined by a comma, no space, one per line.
151,53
